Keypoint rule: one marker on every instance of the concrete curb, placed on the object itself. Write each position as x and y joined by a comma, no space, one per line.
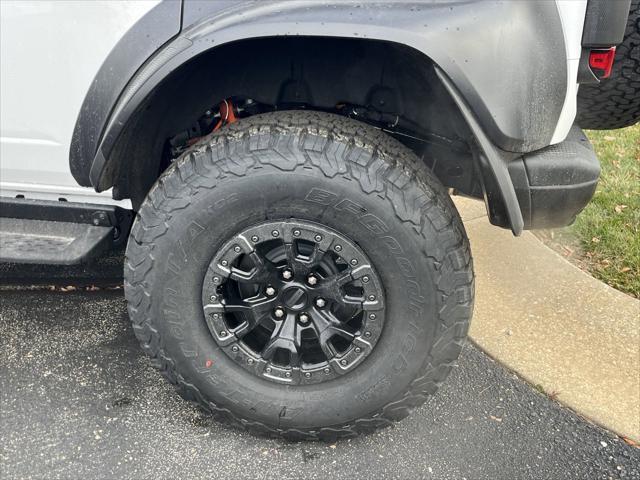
556,326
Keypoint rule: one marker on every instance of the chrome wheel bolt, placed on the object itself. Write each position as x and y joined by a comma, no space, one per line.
236,249
275,233
296,233
254,239
270,291
318,238
320,302
312,280
327,370
337,248
307,374
303,318
343,362
279,312
354,262
287,274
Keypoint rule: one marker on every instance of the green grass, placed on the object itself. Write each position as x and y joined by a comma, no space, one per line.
608,230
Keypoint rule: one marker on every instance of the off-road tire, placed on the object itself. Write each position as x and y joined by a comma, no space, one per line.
263,168
615,101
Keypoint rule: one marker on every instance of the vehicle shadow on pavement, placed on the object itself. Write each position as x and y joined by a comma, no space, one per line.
79,399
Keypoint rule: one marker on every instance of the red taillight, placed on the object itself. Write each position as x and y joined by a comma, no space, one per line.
602,60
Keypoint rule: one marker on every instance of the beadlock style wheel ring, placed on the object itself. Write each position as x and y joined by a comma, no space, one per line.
293,302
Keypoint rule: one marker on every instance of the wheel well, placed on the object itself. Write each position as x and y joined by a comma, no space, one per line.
385,84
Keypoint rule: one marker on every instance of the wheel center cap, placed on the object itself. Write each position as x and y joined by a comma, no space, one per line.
295,298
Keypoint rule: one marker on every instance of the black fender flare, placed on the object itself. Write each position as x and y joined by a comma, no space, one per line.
514,92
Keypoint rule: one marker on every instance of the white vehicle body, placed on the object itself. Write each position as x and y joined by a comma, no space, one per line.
50,54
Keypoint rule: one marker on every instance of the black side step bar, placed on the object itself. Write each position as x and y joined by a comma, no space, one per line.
59,233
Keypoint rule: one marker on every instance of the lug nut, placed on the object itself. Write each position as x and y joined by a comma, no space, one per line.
234,348
307,374
287,374
372,316
372,297
213,298
320,302
343,362
312,280
250,361
224,263
287,274
296,233
279,312
268,369
327,370
367,334
254,239
216,279
358,349
237,249
318,238
354,262
223,333
275,233
337,248
365,279
304,318
270,291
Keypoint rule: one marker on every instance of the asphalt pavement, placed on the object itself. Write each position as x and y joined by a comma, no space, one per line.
79,400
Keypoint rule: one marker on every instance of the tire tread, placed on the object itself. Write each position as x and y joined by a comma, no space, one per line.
380,165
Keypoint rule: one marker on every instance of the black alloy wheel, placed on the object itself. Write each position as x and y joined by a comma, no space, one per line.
293,302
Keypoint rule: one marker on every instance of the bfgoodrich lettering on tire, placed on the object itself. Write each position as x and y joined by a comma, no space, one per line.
299,274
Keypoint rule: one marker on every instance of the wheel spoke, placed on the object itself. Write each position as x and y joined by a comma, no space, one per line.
254,310
213,308
355,300
328,349
290,252
314,259
331,287
327,325
337,280
262,270
285,336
